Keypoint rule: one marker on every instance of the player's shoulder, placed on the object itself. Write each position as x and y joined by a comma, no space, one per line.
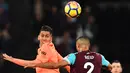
71,55
96,53
99,54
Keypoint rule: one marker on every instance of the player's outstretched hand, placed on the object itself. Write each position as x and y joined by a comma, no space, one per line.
6,57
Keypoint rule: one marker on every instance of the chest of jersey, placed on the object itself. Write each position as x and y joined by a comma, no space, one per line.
87,62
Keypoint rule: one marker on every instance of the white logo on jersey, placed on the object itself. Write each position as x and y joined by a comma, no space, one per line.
89,57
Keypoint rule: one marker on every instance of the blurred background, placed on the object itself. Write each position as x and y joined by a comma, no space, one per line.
105,22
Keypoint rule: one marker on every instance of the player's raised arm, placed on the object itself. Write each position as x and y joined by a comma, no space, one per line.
49,65
68,60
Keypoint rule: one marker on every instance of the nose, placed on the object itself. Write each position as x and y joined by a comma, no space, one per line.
43,38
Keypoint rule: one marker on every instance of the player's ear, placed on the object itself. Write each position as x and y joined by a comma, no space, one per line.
78,45
121,70
88,45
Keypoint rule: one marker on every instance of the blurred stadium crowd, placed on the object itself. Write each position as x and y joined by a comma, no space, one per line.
21,20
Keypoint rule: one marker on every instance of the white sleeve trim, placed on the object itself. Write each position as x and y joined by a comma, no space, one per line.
66,59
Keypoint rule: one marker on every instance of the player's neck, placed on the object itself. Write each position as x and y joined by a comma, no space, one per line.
40,45
85,50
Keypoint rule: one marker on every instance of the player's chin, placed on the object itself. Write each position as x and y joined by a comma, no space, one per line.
116,72
43,42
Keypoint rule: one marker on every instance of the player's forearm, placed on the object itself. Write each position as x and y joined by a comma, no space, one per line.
48,65
18,61
51,65
109,67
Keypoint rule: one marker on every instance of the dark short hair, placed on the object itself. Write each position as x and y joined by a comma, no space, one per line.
117,61
46,28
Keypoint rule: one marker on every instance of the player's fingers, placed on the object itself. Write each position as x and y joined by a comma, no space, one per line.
4,55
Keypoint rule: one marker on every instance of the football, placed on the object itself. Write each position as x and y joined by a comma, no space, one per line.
72,9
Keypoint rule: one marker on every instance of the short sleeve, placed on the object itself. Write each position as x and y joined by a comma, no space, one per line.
104,61
70,58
